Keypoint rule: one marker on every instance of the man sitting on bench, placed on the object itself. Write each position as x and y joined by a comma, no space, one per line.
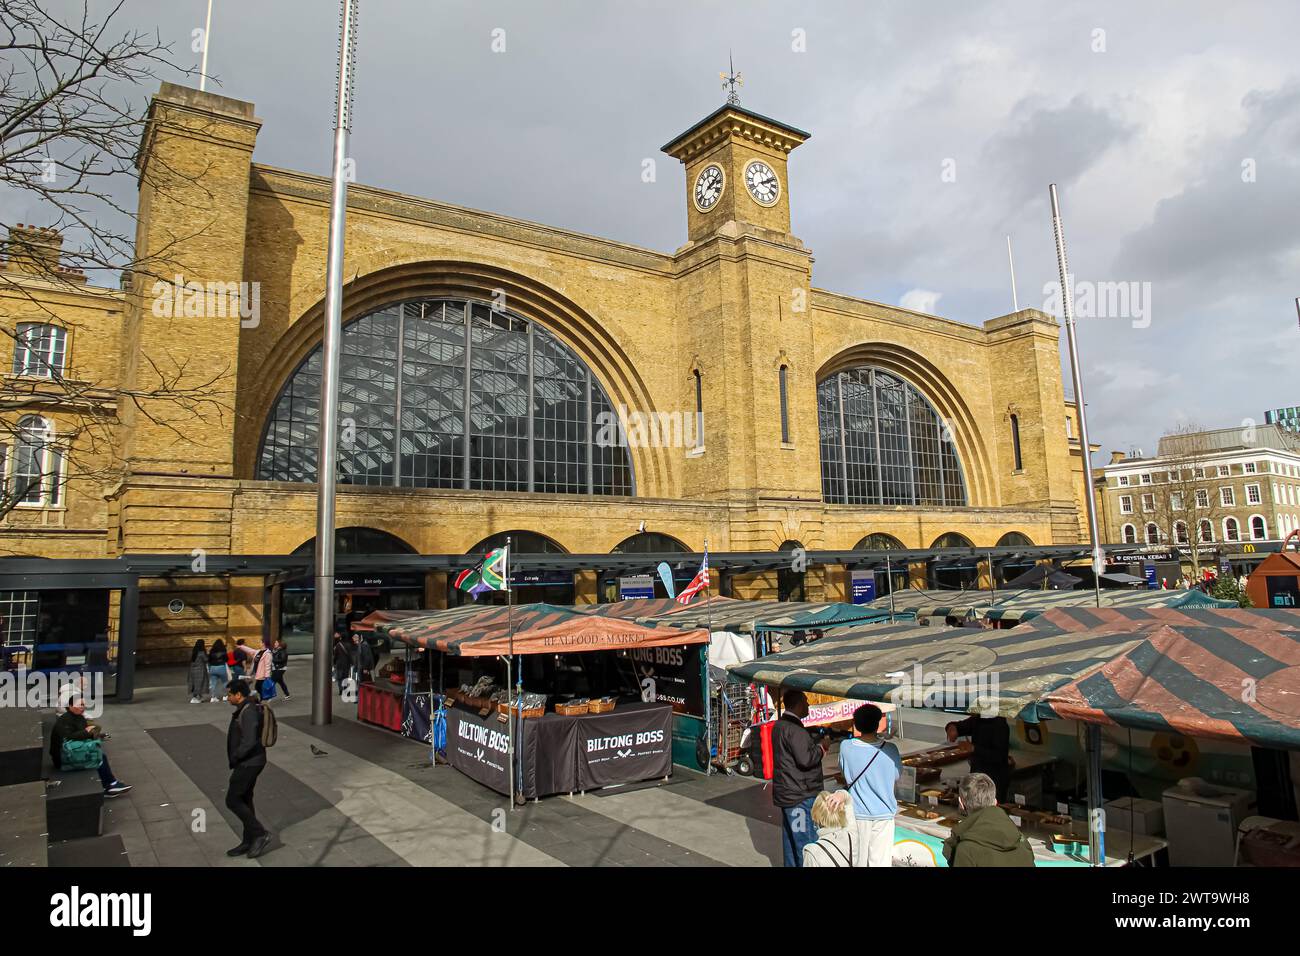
72,725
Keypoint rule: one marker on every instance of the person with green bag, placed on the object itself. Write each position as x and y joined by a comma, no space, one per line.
77,744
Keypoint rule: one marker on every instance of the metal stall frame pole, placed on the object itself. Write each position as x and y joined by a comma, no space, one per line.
993,585
889,576
327,458
708,695
510,734
1096,812
1067,306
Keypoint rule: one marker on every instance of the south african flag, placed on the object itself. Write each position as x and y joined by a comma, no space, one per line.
488,575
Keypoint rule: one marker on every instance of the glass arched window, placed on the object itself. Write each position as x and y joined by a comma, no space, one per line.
1153,534
1130,534
878,542
441,393
1180,532
360,540
1207,530
1230,530
1015,442
1014,539
882,443
952,539
1258,528
650,542
40,349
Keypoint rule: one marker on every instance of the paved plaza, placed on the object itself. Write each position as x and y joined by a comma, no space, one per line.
372,798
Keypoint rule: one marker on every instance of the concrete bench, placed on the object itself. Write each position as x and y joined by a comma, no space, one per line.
74,799
22,825
21,743
91,852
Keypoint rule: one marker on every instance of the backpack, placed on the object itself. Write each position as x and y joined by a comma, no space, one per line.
81,754
270,732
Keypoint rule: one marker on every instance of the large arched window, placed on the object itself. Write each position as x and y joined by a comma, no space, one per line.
1014,539
1129,534
441,393
882,443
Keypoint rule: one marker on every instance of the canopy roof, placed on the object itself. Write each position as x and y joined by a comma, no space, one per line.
1011,605
1040,572
730,614
480,630
1169,669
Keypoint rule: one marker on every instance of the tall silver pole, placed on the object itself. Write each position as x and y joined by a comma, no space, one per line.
203,67
1067,305
1096,817
327,456
1015,302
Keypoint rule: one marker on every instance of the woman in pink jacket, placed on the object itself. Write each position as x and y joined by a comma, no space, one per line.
262,673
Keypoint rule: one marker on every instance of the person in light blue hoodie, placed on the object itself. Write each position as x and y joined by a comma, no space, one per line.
869,769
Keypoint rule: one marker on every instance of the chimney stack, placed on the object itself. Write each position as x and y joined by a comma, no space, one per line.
38,251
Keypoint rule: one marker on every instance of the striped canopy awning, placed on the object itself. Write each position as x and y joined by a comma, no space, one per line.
1227,673
730,614
479,630
1240,684
1009,605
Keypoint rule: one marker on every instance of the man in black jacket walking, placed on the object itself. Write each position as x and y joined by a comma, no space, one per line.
247,759
796,776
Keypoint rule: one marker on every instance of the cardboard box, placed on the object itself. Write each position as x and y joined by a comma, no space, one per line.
1145,817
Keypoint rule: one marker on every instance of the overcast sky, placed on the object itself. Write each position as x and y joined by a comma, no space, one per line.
1172,130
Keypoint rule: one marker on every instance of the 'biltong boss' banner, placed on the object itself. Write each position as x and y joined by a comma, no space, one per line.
625,746
670,675
479,748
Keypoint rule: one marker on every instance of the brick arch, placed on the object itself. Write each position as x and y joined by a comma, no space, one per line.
528,298
941,393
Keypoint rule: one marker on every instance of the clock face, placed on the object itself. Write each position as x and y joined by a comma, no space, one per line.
708,187
762,183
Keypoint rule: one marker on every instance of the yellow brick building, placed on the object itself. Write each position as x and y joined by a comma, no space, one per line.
826,417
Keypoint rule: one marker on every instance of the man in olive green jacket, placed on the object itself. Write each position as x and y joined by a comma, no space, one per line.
987,837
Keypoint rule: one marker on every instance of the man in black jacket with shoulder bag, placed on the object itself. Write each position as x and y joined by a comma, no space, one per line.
247,758
796,776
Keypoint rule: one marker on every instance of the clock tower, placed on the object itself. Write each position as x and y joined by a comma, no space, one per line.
735,163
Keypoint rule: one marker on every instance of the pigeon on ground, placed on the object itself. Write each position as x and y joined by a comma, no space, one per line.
317,752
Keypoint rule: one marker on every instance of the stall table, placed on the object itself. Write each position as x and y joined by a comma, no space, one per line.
564,754
379,702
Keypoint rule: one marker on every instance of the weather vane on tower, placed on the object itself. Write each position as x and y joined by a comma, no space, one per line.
730,81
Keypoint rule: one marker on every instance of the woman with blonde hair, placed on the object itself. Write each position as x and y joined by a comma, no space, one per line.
837,837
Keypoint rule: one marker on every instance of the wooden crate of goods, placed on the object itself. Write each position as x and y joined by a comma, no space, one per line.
573,708
601,705
527,706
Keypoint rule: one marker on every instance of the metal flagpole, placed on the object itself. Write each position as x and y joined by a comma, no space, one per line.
203,67
516,691
1015,303
1067,304
993,585
327,457
1096,815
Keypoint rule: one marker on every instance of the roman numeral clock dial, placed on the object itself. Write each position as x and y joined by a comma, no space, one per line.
708,187
762,183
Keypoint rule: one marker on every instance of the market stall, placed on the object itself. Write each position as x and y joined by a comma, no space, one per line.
584,718
1175,672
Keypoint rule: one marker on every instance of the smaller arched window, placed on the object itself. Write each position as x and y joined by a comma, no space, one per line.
1258,528
1230,530
34,475
1153,533
1015,442
1180,532
1207,531
1130,534
40,349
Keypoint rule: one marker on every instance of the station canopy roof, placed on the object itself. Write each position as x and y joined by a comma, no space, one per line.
481,630
1022,605
1176,670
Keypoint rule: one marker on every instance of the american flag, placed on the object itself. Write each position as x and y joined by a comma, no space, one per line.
698,583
